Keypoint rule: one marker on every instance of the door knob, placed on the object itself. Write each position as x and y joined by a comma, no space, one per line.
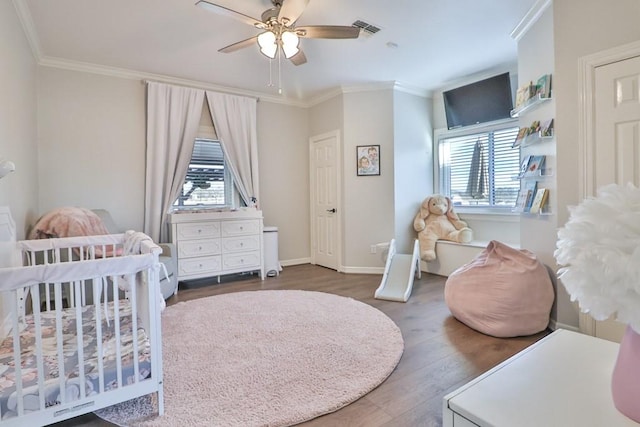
331,210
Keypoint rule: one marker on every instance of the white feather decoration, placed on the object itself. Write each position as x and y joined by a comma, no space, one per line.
599,249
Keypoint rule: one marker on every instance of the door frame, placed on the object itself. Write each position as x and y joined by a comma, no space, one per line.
312,195
586,131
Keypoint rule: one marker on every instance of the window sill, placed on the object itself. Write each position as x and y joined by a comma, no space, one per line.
201,209
486,212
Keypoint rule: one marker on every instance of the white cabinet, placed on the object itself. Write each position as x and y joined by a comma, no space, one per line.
217,243
562,380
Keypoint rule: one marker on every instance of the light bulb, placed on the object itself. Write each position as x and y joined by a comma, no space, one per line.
267,43
290,43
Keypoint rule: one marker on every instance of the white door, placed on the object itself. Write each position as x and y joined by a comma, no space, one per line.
325,209
616,143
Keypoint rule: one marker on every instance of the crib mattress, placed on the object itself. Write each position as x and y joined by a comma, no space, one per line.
8,395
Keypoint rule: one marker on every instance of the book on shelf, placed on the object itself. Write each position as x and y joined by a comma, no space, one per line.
535,167
521,201
524,165
546,128
525,196
534,126
530,188
522,134
522,96
543,86
525,93
539,201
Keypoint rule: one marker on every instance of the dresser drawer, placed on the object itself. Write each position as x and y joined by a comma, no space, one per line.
241,244
459,421
194,266
240,228
202,230
195,248
241,260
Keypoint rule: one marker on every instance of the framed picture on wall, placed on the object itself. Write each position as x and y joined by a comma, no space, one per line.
368,158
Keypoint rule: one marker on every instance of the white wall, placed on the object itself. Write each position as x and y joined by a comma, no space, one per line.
327,116
18,117
92,143
283,148
368,200
538,233
413,162
580,27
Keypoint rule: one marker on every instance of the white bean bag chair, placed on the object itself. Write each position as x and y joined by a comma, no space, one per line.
503,292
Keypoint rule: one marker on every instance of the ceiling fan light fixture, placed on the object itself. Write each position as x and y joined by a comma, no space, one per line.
267,43
290,42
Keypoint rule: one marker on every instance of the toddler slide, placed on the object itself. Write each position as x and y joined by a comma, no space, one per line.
399,271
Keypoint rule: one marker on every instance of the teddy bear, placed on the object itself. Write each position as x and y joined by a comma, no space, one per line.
437,220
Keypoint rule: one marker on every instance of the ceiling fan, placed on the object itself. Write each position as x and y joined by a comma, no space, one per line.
280,33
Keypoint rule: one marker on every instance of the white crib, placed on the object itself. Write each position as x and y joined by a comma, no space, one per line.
75,357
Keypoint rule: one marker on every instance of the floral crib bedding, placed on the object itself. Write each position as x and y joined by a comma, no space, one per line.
8,395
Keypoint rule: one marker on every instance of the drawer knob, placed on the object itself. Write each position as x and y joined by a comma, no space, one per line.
241,243
199,248
241,228
199,230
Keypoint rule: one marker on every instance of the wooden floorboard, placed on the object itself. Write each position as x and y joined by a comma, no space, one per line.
440,355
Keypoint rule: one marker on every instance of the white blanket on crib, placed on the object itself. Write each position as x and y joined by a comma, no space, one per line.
132,245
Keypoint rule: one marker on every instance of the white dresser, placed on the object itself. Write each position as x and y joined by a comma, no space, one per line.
217,243
563,380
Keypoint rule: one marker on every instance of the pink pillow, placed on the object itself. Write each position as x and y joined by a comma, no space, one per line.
503,292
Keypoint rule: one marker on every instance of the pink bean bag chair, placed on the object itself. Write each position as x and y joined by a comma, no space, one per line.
503,292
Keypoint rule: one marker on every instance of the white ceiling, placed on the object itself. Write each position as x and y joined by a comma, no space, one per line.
438,41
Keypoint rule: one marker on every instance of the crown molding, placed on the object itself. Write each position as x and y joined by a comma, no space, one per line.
393,85
413,90
368,87
327,95
24,15
530,18
124,73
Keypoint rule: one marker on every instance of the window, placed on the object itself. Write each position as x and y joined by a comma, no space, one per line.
208,182
477,169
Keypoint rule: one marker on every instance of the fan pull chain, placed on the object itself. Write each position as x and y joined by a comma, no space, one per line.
270,73
279,71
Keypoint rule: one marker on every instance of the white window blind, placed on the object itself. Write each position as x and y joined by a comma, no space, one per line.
208,182
477,169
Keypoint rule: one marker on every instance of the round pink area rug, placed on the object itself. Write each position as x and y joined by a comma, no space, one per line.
265,358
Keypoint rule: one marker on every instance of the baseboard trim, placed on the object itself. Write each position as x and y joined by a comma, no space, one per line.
363,270
555,325
299,261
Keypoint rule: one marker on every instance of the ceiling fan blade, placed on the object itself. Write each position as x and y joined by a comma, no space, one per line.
239,45
291,10
221,10
299,58
328,32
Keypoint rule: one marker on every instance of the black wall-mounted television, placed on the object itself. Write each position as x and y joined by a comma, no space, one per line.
480,102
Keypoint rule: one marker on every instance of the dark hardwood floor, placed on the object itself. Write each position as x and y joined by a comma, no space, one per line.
440,355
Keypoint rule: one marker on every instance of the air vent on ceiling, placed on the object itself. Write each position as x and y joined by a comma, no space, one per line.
368,29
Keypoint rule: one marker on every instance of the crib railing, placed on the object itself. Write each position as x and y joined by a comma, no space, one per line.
61,273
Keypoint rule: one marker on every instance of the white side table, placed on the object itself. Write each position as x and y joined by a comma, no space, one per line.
563,380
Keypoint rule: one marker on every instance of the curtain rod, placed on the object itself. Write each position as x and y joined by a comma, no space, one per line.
193,86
